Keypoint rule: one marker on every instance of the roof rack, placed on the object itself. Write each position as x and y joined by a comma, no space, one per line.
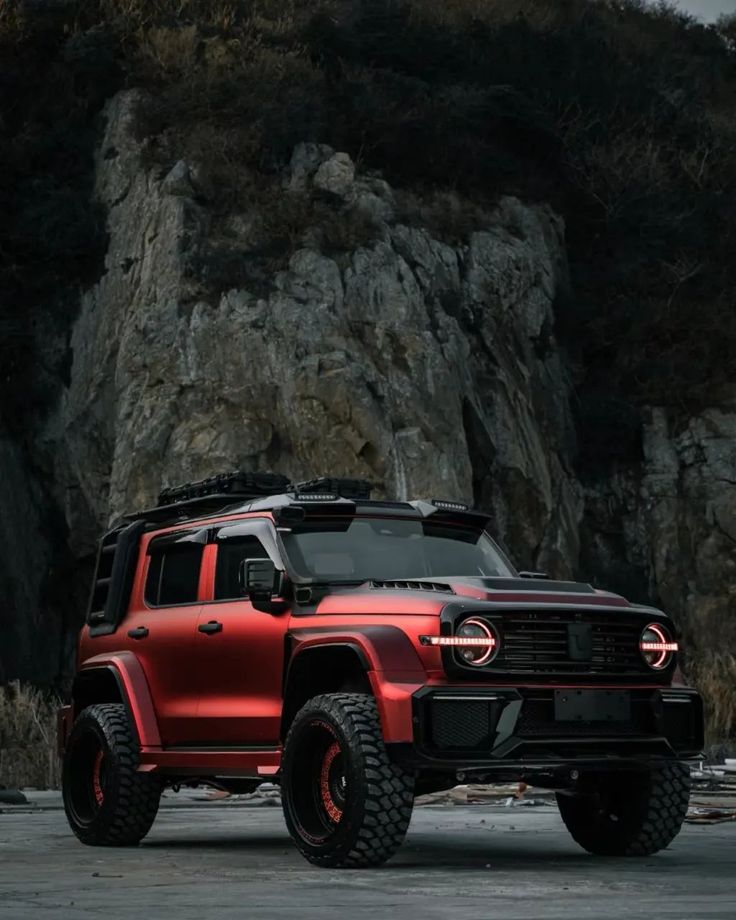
236,484
208,496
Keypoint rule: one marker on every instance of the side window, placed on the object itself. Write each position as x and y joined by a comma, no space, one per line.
173,572
230,553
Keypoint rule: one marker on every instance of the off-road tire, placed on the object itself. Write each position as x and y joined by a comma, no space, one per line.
628,814
107,802
367,824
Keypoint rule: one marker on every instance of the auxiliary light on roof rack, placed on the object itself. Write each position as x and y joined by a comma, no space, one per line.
445,505
331,487
316,496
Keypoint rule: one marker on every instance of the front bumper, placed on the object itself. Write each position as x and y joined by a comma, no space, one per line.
472,729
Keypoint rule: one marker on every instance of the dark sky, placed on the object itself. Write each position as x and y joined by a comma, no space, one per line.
709,10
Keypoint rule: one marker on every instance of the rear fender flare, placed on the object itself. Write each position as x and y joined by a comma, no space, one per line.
134,691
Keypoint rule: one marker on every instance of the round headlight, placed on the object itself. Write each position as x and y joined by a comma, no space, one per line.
657,646
483,643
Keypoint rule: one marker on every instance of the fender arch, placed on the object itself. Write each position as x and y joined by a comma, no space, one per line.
383,656
118,678
324,667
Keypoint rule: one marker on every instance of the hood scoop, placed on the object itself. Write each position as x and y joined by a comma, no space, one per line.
413,586
536,585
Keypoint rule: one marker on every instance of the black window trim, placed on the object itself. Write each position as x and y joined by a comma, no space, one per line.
163,541
198,535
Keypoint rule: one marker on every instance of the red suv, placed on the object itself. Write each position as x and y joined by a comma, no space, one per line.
360,653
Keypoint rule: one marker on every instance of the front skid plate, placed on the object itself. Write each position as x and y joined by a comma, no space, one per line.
494,770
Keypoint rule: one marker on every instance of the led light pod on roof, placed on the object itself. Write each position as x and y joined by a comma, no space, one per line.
445,505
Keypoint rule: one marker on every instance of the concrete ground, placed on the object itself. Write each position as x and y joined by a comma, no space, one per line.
226,859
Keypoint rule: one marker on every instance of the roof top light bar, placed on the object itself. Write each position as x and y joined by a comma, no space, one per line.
316,496
445,505
331,487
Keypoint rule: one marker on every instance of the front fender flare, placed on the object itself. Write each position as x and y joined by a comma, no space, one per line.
392,665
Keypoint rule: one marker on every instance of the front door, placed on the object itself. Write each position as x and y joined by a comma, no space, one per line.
239,650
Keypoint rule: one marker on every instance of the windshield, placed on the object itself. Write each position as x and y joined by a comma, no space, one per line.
361,549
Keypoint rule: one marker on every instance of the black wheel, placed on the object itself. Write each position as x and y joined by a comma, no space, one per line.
628,814
107,802
345,803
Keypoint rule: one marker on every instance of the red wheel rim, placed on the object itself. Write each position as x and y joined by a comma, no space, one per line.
334,812
97,778
316,795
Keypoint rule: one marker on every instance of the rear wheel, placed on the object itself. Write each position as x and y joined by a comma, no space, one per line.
107,802
628,814
345,803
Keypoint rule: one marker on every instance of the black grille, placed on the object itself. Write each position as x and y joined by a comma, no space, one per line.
539,643
461,724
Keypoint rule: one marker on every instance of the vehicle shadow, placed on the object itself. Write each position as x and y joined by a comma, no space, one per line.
464,852
524,852
232,842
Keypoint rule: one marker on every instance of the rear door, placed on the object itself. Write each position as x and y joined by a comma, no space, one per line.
239,650
161,630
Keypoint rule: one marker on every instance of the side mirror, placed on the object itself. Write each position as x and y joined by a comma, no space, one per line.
261,583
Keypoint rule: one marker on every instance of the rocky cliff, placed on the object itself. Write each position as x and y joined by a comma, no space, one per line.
388,350
426,367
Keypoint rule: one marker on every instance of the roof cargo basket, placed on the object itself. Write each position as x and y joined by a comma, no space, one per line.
238,484
358,489
206,497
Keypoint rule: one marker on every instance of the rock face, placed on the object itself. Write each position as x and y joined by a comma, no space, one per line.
667,530
428,368
386,352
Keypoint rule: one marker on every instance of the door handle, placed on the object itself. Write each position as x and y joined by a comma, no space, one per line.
140,632
212,627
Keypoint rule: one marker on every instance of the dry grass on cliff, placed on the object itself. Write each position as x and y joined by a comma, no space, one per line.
28,738
715,677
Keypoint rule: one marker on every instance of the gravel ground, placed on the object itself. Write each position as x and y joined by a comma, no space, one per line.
227,859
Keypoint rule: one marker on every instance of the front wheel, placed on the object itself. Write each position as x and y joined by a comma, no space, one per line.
628,814
107,802
345,803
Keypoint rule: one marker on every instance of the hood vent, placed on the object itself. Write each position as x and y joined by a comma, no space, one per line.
413,586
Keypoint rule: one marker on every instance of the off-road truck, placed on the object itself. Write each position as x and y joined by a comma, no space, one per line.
360,653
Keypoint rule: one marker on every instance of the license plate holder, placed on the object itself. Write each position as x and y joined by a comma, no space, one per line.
592,705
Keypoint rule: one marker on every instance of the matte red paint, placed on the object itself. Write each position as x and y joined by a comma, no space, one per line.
225,689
